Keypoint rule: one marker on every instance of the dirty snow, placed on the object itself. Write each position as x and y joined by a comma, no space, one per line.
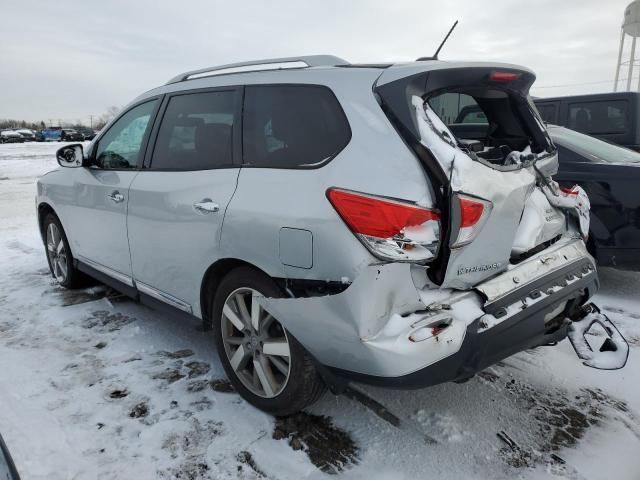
93,385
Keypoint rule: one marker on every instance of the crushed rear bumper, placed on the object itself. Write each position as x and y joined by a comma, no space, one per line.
484,347
390,327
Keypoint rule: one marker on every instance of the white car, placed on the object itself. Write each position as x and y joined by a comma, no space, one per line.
327,224
10,136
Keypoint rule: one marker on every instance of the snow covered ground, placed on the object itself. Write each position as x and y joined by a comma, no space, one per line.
96,386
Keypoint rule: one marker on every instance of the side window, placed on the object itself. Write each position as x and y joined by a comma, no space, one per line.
598,117
196,132
547,112
455,108
289,126
119,148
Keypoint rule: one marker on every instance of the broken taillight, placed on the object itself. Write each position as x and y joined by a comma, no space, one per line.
473,214
569,190
390,229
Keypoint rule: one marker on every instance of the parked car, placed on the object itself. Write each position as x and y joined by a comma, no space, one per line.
610,175
52,134
70,135
10,136
39,137
612,117
27,134
87,133
327,225
8,469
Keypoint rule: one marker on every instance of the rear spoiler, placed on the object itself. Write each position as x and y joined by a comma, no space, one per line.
403,70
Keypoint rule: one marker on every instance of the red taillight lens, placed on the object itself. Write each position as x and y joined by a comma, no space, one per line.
503,77
391,229
470,211
473,214
569,191
376,217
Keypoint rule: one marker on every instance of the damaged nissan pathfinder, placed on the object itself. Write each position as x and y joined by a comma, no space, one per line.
329,223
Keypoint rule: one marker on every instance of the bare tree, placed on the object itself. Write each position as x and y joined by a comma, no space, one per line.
106,117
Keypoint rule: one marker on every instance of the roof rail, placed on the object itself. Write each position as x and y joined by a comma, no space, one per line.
258,65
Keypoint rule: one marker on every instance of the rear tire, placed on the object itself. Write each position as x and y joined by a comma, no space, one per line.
265,364
59,257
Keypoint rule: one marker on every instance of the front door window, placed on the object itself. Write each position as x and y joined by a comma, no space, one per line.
120,147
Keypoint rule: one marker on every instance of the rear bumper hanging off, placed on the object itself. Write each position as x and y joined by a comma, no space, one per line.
614,350
388,329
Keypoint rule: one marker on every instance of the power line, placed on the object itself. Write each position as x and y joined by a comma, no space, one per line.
581,84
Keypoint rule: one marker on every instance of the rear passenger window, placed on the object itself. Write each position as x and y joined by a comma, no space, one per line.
289,126
598,117
196,132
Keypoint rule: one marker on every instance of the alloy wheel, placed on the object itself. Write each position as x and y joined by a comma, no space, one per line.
255,344
57,253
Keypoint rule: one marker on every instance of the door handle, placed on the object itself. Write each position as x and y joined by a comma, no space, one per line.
116,197
206,206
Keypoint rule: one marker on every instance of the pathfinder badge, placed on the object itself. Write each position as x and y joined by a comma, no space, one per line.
478,268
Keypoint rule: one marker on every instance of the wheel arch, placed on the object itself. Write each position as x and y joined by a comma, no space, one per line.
211,280
43,210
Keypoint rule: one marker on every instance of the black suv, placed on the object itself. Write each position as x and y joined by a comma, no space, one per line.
71,135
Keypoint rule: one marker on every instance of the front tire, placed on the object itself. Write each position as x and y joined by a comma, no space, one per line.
59,255
263,361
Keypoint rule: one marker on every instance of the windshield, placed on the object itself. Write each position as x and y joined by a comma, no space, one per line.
591,147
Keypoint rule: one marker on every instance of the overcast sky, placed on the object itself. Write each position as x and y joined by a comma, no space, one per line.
68,59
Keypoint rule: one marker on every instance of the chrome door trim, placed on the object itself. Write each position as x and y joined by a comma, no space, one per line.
163,297
126,279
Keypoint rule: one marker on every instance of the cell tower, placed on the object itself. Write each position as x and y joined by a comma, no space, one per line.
631,27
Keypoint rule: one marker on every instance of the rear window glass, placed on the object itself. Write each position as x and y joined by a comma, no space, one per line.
196,132
289,126
598,117
547,112
455,108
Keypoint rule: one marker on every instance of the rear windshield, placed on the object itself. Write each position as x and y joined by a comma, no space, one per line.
591,147
455,108
484,120
485,112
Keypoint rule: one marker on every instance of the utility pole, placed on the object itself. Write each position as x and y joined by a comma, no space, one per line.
91,121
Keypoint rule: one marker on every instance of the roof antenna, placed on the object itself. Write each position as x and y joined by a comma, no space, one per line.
435,55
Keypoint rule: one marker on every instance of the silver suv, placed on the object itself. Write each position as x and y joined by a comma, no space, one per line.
330,222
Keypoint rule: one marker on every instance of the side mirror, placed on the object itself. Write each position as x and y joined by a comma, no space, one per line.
70,156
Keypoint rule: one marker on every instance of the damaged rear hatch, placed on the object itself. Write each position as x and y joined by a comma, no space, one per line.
489,159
